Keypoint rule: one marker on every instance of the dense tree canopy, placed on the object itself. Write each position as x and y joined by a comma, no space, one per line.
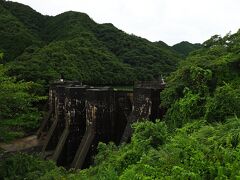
207,83
185,48
40,48
17,112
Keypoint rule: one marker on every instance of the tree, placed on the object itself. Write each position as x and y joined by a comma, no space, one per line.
17,113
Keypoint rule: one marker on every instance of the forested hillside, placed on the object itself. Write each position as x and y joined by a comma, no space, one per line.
206,84
37,49
184,48
42,48
197,139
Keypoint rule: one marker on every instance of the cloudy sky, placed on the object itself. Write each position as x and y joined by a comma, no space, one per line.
171,21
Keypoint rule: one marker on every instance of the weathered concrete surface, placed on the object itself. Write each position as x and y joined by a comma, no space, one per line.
146,105
75,125
99,124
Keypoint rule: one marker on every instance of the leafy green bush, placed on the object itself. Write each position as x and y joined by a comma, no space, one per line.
225,102
198,150
22,166
148,133
190,107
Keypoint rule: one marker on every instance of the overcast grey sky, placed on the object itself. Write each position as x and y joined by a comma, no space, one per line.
171,21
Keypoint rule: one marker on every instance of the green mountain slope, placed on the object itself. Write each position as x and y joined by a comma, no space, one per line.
14,36
73,45
185,48
148,59
81,58
33,20
206,84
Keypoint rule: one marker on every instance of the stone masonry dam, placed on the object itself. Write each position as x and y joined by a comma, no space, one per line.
81,116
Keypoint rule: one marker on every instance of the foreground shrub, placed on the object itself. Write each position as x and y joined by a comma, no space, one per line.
225,102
